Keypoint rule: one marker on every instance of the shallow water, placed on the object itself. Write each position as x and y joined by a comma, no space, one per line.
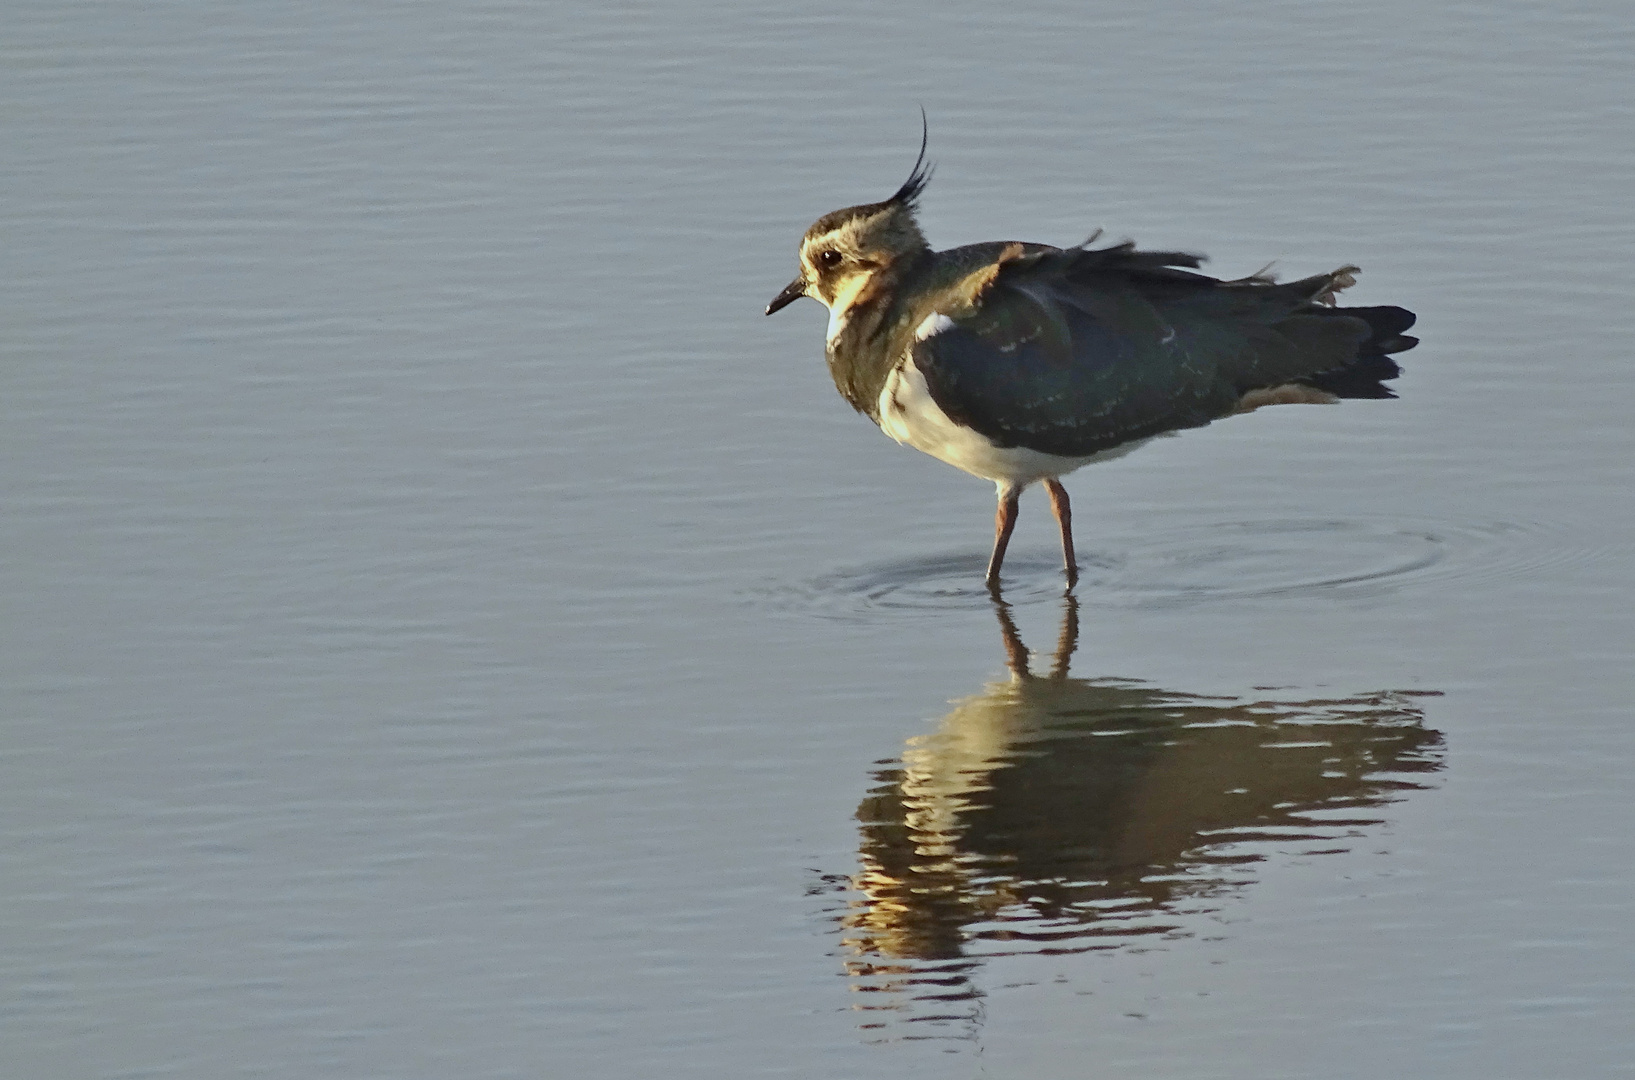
450,632
1051,816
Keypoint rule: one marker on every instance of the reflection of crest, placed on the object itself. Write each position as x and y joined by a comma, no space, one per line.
1053,814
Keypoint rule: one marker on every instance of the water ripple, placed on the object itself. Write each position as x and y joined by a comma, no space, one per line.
1200,564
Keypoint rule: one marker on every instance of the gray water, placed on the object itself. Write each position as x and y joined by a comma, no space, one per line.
450,633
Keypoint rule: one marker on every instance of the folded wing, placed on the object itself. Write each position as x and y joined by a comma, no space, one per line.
1078,351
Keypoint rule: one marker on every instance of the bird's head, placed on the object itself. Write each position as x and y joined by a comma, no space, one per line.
843,250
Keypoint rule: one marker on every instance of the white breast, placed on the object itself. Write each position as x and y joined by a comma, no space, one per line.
909,415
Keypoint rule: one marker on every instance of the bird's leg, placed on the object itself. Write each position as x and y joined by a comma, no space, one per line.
1064,518
1004,523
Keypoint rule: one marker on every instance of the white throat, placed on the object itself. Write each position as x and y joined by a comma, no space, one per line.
840,311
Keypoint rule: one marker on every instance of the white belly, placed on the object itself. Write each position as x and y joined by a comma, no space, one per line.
909,415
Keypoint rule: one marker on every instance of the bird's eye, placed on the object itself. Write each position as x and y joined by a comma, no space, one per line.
829,259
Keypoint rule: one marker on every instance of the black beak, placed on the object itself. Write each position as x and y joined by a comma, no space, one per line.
791,292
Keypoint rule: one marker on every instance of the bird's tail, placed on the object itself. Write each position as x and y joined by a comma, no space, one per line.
1387,328
1366,376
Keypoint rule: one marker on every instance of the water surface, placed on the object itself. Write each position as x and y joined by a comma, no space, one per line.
449,632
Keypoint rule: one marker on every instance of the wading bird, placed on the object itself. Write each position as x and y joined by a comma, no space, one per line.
1021,362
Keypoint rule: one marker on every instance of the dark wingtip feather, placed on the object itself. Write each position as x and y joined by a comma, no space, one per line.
909,194
1366,376
1387,328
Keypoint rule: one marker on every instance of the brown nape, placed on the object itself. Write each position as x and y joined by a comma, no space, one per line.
1287,394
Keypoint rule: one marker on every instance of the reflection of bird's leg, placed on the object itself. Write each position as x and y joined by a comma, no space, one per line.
1068,639
1004,523
1016,654
1064,517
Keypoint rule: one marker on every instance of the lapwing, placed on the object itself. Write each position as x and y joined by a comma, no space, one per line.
1020,362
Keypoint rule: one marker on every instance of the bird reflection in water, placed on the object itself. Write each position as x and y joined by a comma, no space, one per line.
1049,814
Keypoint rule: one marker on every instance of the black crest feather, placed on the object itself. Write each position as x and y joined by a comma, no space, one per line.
909,194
